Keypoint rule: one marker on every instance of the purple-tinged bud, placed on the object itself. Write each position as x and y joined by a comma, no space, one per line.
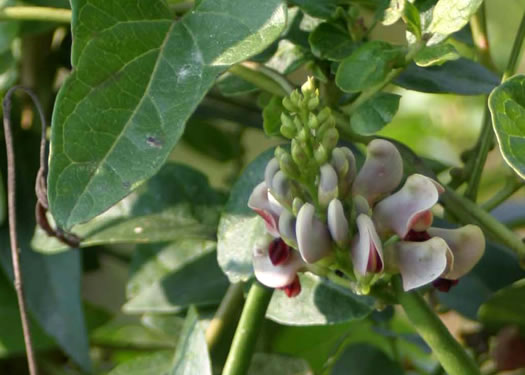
281,188
337,223
381,173
287,223
367,251
269,172
313,238
328,182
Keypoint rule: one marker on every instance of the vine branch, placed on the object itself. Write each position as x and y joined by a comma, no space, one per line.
11,202
29,13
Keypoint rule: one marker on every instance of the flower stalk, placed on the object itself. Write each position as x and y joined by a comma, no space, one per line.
448,351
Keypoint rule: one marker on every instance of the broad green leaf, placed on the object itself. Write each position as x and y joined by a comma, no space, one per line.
412,19
450,16
461,76
394,12
239,227
507,106
365,360
211,140
272,116
317,8
272,364
331,41
158,363
375,113
152,262
320,302
232,85
11,336
368,66
49,281
436,55
169,325
506,307
191,356
200,283
178,202
138,75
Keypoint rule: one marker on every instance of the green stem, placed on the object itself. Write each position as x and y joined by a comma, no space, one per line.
515,52
228,310
478,25
448,351
47,14
469,212
243,345
511,186
262,77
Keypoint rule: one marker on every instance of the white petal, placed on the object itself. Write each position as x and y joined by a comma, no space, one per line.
270,275
287,228
271,169
259,201
402,210
366,241
337,223
422,262
343,161
313,238
467,244
381,173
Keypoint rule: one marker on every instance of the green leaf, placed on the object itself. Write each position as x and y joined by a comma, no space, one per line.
200,283
210,139
176,203
125,334
317,8
320,302
394,12
507,106
412,18
331,41
232,85
158,363
436,55
271,364
506,307
450,16
365,360
191,356
239,227
152,262
368,66
462,76
272,116
138,75
375,113
48,280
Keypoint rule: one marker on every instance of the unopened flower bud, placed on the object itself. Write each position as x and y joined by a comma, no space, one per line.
330,138
337,223
271,169
289,105
324,114
321,154
313,238
303,135
343,161
288,128
296,205
298,153
287,228
296,98
288,166
313,102
327,189
308,88
280,188
313,122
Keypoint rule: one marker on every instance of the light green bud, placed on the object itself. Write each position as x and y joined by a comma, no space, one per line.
330,138
313,122
298,153
321,154
296,205
288,131
297,123
289,105
288,166
324,114
313,102
303,135
296,98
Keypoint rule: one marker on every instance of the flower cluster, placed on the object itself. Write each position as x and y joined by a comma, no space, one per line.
318,208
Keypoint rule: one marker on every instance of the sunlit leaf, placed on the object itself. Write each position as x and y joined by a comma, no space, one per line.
138,75
436,55
450,16
507,106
